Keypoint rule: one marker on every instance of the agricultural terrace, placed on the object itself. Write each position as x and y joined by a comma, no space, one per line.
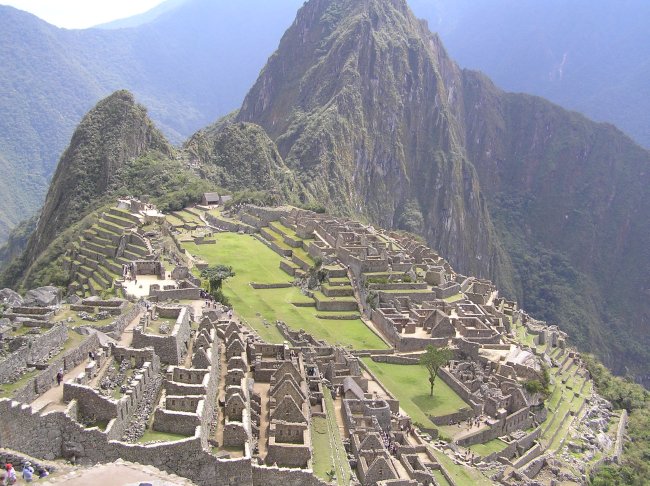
410,385
252,261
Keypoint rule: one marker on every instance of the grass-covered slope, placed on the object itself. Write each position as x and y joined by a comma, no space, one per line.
241,157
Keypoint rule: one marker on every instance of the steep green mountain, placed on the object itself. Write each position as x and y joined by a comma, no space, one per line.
593,57
377,121
115,131
357,101
115,151
242,157
188,65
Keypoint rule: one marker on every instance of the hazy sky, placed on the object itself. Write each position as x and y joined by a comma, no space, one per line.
78,14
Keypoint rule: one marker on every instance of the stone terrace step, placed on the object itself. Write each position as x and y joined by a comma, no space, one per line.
108,251
129,256
119,221
100,240
113,267
121,213
106,234
111,227
136,249
86,271
338,291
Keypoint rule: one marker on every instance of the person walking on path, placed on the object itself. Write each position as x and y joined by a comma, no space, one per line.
28,472
11,474
59,377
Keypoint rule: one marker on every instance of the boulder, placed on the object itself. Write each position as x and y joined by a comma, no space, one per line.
11,298
43,297
74,299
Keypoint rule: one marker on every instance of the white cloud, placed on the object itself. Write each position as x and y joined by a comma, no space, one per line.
78,14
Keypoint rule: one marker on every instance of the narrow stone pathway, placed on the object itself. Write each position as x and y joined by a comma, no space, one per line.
53,398
127,335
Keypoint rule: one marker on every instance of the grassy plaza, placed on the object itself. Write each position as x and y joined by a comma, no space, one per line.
410,385
253,261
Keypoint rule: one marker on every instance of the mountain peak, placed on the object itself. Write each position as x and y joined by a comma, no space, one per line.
116,130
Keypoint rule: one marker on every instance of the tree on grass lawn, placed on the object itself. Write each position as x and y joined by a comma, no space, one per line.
432,359
215,276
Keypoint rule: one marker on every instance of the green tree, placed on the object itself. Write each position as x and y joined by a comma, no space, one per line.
433,359
215,276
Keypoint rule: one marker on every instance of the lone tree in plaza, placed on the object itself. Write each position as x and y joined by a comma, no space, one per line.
215,276
433,359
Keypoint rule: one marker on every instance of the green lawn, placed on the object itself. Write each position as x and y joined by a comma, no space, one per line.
462,476
153,435
190,217
454,298
252,261
410,385
495,445
322,448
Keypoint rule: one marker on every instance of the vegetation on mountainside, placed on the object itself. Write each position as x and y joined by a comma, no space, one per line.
17,241
635,465
167,183
112,133
597,67
48,268
241,158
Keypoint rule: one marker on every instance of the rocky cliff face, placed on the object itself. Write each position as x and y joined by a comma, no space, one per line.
115,131
376,121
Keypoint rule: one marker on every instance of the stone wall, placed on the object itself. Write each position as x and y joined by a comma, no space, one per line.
46,379
115,328
34,351
227,225
461,390
93,407
265,214
268,475
452,418
402,360
176,294
170,348
55,435
175,422
280,285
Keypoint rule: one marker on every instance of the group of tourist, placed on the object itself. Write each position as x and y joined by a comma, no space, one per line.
129,272
389,443
8,474
209,299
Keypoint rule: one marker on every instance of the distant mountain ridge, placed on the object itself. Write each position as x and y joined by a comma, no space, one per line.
592,57
189,66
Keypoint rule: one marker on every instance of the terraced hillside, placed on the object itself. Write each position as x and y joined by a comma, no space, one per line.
96,258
